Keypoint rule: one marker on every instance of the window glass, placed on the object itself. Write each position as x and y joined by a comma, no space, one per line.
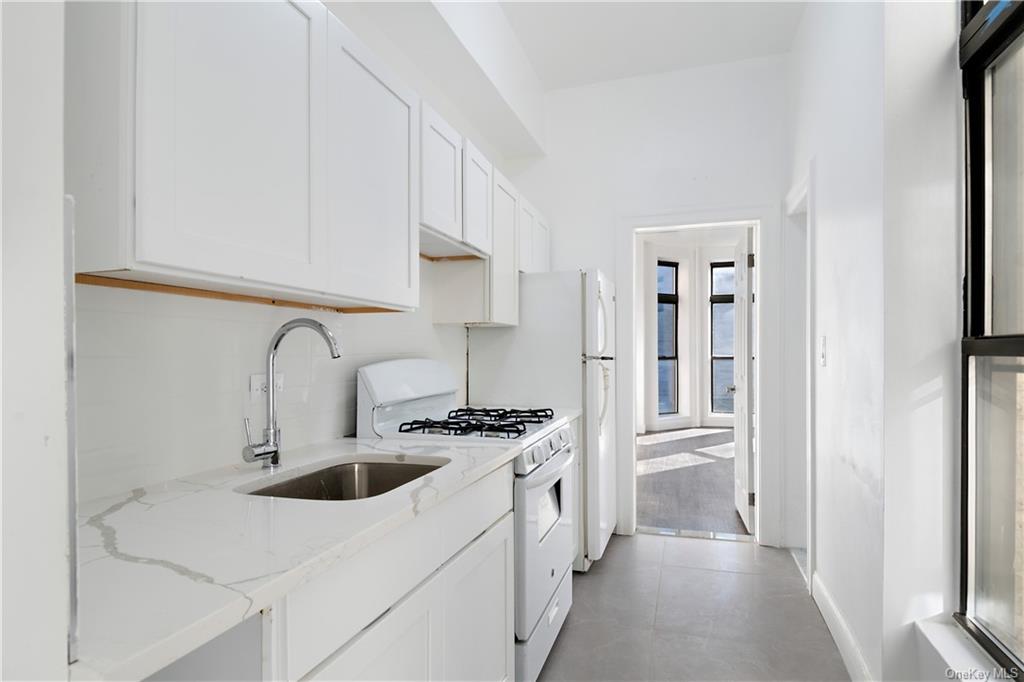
666,329
997,408
722,391
1007,155
723,279
666,279
667,393
722,319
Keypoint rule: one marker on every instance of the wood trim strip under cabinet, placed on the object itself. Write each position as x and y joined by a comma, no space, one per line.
437,259
117,283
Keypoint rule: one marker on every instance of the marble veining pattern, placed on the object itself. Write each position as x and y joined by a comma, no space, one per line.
165,568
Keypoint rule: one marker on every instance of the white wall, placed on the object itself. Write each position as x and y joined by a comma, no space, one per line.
35,456
163,381
837,121
923,255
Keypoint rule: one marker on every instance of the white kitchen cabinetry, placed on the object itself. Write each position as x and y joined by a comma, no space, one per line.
372,174
440,175
534,240
484,292
200,152
476,198
458,625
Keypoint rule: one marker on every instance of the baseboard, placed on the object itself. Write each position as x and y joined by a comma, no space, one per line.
853,658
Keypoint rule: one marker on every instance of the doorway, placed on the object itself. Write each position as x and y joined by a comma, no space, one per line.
695,302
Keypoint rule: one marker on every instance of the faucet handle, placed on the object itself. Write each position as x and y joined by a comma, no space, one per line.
248,433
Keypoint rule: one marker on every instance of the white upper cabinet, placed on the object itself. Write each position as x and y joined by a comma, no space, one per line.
231,140
372,175
504,268
541,246
243,148
440,175
476,198
527,217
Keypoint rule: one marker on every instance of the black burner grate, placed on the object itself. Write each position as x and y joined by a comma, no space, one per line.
480,421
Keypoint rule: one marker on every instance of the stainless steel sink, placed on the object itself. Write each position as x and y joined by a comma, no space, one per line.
349,481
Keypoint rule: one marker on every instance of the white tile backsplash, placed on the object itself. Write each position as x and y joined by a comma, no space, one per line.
163,381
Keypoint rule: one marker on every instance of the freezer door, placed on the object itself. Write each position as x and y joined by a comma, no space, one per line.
599,469
599,314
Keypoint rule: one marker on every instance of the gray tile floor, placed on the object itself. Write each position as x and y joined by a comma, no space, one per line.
681,486
669,608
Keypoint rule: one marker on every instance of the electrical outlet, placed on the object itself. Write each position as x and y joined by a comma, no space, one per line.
258,385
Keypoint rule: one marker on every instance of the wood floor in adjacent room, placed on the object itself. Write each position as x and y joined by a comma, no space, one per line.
670,608
685,481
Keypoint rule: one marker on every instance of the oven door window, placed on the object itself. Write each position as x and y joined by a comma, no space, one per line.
549,509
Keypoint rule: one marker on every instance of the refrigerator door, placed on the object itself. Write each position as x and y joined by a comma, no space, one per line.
599,468
599,314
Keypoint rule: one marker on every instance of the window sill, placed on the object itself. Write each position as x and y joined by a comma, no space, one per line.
944,649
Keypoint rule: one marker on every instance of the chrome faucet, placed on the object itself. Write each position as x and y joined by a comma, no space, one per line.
270,449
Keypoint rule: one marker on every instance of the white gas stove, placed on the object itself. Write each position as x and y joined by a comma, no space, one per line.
417,399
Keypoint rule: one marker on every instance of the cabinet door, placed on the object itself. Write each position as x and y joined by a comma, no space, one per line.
440,175
230,140
526,222
541,246
372,134
504,269
479,604
476,198
403,645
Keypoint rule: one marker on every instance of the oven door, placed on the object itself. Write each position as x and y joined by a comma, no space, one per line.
544,529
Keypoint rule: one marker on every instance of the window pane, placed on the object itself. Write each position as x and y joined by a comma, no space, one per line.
666,279
723,280
667,393
721,382
666,329
997,413
721,328
1007,156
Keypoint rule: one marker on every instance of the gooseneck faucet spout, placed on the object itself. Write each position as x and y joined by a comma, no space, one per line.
270,449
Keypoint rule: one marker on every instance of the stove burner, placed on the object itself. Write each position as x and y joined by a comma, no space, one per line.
465,427
494,414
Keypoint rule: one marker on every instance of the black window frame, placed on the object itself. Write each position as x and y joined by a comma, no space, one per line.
713,299
987,29
672,299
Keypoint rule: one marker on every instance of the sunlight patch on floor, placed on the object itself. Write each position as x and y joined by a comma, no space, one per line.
666,436
723,451
679,460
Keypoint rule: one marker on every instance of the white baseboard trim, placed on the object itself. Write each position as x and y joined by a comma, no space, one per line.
853,658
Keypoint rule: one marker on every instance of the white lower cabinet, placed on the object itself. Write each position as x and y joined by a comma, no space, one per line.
457,625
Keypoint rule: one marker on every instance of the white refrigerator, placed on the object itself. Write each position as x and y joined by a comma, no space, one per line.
562,354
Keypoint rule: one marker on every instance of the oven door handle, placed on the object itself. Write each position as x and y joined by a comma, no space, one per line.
557,470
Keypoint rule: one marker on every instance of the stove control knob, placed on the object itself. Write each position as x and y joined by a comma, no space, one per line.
528,456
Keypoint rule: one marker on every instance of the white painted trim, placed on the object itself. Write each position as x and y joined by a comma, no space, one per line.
768,435
853,658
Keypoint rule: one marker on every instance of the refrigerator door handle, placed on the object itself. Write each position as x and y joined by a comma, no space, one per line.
605,374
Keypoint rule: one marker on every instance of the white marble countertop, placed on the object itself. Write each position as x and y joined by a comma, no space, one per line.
166,568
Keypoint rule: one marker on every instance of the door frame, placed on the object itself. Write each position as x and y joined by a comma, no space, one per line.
767,219
800,202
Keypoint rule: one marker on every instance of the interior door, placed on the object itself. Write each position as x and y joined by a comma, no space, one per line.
599,469
742,379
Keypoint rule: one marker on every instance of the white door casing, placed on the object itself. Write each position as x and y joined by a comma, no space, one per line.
742,375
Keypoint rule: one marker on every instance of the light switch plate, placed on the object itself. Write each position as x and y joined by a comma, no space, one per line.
258,385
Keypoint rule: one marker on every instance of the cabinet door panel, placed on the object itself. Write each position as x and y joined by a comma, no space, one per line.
440,175
526,223
230,139
478,611
541,247
371,170
504,274
476,198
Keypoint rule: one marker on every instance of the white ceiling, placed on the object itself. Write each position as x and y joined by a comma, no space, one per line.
578,43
